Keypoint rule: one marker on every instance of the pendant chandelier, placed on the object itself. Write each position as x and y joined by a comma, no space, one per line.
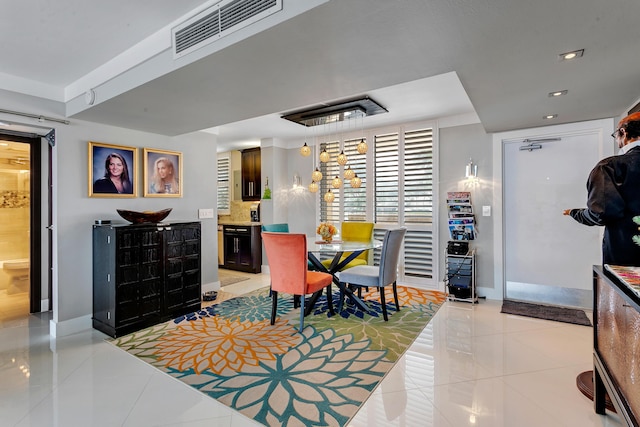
316,175
305,150
356,182
349,173
337,182
362,147
328,196
342,158
313,187
324,156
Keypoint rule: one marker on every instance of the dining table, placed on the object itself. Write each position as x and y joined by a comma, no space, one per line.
335,249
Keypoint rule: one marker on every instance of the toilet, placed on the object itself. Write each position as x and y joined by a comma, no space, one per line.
17,271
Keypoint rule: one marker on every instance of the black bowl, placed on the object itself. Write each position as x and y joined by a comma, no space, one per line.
142,217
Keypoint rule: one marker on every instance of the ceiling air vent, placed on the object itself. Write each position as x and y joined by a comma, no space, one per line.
219,20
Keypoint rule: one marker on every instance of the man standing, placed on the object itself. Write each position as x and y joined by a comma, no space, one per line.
614,196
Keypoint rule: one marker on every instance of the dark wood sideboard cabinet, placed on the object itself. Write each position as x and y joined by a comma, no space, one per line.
616,355
243,248
144,274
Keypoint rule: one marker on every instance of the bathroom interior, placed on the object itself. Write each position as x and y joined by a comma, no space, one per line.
14,230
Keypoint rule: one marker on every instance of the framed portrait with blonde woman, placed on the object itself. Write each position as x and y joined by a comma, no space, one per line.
162,173
112,170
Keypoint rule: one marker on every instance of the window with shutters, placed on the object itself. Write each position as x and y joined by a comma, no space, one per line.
330,212
355,199
224,184
397,190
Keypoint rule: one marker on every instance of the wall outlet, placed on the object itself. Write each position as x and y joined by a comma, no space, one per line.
205,213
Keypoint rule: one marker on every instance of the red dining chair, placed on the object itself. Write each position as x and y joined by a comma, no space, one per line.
287,256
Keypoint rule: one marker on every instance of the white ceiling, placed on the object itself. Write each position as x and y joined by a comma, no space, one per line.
419,59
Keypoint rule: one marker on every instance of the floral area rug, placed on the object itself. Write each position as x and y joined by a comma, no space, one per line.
276,375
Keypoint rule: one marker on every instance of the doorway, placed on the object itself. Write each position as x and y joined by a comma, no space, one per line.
20,291
548,257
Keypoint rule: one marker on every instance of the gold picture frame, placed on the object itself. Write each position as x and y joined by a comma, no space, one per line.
162,171
112,170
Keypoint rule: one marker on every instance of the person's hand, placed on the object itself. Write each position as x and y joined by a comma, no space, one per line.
566,212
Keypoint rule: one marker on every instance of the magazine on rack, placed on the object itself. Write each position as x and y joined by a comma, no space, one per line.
461,218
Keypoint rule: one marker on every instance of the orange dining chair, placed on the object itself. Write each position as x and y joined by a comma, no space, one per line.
354,231
377,276
287,256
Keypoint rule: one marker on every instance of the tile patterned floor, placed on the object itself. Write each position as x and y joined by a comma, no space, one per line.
472,366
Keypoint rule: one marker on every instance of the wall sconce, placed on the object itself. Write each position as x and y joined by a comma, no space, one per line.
297,181
471,170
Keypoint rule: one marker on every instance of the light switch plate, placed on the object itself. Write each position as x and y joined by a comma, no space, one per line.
486,211
205,213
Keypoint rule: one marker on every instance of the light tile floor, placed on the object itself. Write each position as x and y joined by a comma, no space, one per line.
472,366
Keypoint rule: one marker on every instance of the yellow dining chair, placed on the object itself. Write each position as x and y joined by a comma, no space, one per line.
287,256
354,231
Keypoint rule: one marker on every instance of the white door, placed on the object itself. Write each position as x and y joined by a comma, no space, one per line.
548,257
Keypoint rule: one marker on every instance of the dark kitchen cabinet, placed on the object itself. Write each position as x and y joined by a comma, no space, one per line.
243,248
144,274
251,174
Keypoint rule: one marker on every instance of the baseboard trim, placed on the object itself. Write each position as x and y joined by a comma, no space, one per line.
69,327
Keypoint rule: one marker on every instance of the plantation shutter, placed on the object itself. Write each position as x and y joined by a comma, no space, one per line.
330,212
418,176
355,199
386,178
224,183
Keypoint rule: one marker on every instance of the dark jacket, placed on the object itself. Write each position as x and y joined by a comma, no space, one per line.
613,200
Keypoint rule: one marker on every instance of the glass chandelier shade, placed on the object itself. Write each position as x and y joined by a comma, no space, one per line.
336,182
313,187
362,147
349,173
356,182
328,196
324,156
342,158
305,150
316,175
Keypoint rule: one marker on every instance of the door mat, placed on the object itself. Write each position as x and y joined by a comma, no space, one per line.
226,280
547,312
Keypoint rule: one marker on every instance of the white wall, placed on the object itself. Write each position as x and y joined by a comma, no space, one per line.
456,146
75,212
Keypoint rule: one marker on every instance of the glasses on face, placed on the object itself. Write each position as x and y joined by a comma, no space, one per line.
616,133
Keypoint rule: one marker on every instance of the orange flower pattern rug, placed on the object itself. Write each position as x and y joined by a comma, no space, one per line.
276,375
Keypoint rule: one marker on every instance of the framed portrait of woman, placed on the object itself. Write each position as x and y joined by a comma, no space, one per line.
112,170
162,173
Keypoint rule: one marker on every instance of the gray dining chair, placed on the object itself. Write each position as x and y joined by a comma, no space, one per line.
377,276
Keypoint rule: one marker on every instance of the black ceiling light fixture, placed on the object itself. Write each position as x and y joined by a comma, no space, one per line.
336,112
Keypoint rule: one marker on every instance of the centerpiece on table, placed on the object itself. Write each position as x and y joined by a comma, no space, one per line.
326,231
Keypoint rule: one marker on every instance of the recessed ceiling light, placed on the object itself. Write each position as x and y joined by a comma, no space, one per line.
571,55
550,116
558,93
